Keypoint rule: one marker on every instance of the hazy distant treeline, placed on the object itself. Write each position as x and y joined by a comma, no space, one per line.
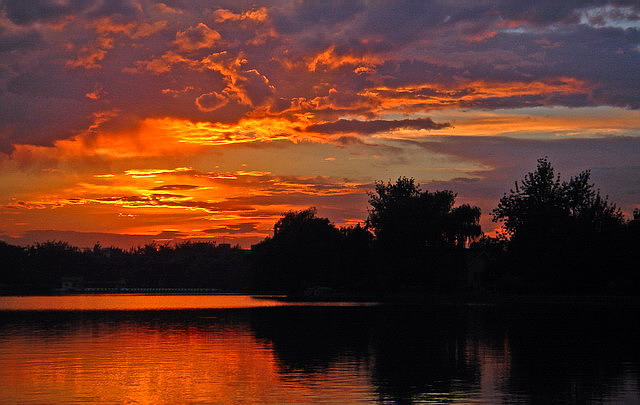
558,237
45,266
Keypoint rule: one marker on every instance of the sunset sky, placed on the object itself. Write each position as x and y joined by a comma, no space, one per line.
128,121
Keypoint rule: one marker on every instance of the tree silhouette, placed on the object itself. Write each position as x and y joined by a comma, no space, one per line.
541,204
355,259
559,237
464,225
403,213
302,252
416,231
562,232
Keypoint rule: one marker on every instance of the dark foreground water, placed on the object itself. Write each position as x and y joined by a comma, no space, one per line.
260,352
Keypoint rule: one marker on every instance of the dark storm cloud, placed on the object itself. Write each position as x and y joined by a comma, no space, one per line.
602,57
19,41
38,120
121,10
300,15
327,58
37,83
256,87
549,11
397,73
26,12
534,100
374,126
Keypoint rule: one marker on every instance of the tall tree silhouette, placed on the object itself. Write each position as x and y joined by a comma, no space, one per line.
356,261
416,230
560,230
302,252
541,203
401,212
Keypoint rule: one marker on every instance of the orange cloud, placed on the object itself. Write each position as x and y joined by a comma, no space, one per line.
163,8
248,87
258,15
134,30
437,96
566,85
481,36
97,93
155,172
177,92
198,37
91,54
211,101
162,64
329,59
579,123
196,204
246,130
157,137
151,138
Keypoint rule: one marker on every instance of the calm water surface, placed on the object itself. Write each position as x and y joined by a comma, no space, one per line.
136,302
239,350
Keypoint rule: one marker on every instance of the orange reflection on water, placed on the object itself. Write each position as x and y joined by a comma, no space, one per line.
148,366
132,302
142,363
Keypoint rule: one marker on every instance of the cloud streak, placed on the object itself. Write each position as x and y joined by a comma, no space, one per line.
375,126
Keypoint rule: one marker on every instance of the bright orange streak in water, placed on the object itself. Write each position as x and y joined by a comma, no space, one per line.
143,364
139,302
124,302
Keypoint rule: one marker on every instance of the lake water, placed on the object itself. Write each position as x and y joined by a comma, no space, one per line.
239,350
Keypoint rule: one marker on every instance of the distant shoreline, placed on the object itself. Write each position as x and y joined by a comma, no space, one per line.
472,299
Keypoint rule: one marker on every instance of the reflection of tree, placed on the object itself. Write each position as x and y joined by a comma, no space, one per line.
410,352
311,339
420,353
571,354
538,353
553,353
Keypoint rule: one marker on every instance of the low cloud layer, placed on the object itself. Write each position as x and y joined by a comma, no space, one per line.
375,126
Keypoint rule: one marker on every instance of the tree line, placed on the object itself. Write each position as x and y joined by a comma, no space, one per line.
43,267
556,237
